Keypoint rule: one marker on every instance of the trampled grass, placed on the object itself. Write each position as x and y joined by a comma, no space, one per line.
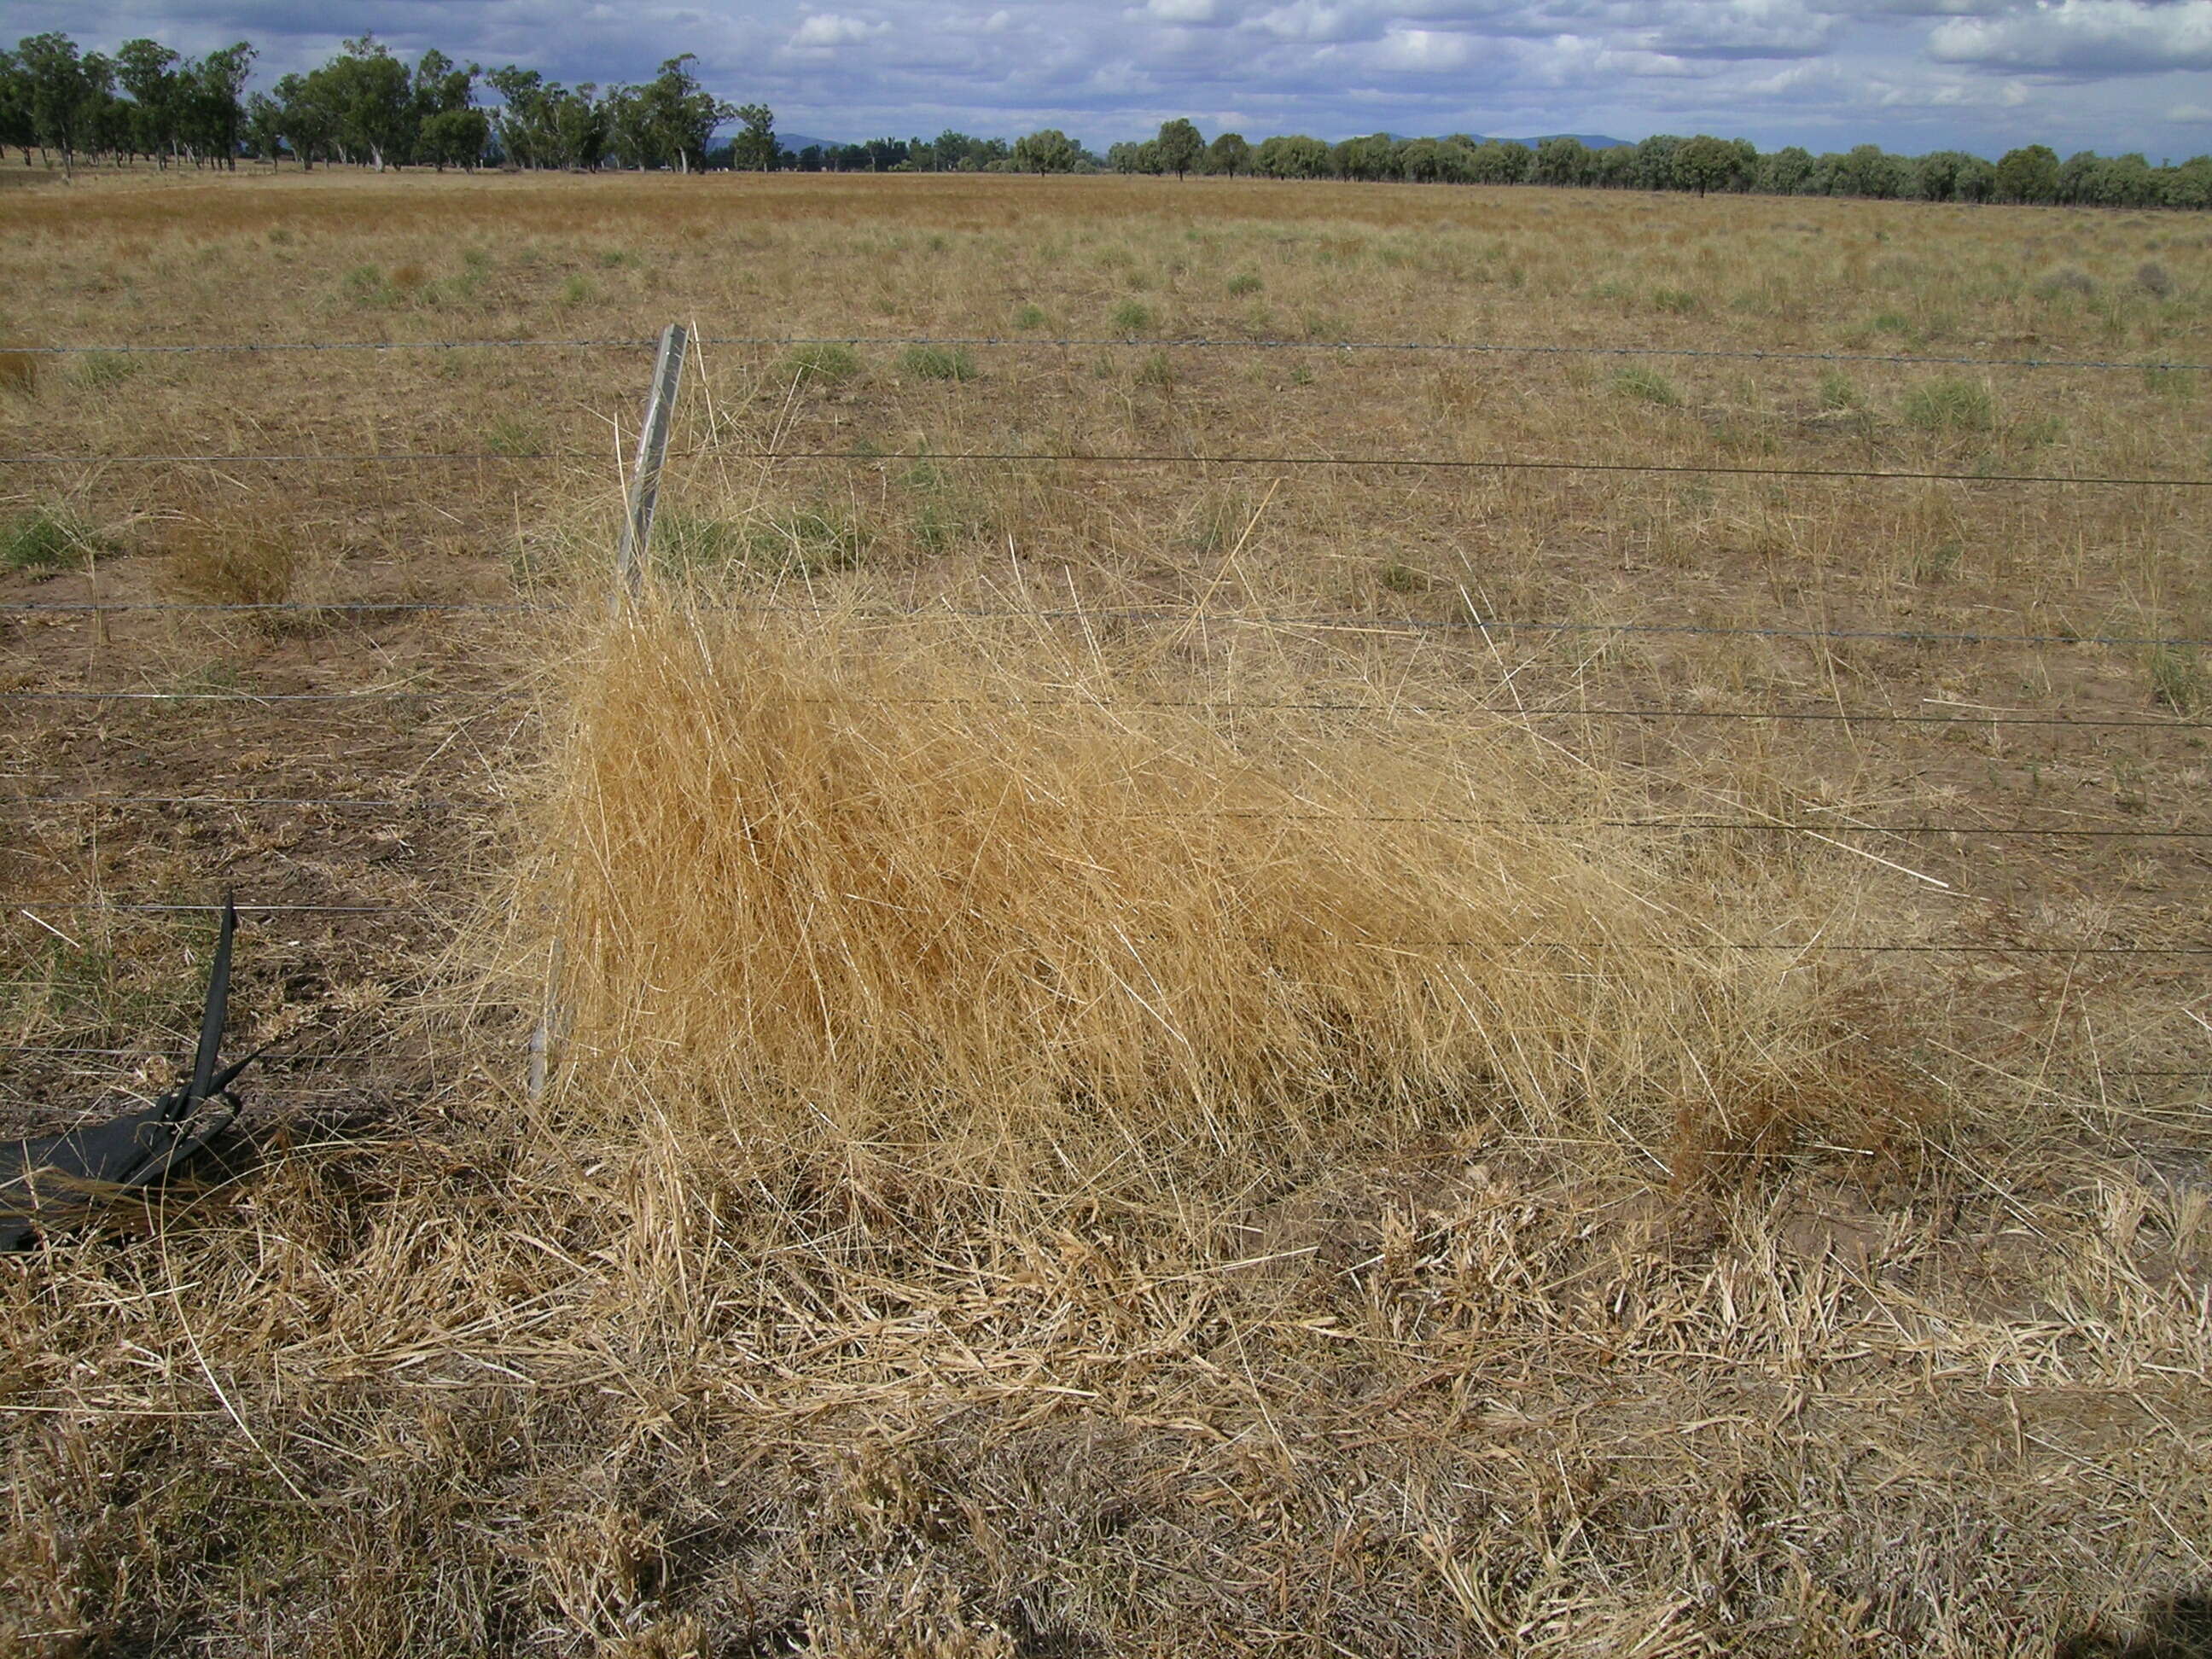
1191,1057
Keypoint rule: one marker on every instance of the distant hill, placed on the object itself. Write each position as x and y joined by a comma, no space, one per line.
795,142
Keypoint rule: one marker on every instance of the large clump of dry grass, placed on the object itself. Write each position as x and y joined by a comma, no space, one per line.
1003,903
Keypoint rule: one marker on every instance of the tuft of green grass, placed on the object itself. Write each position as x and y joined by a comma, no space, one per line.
927,363
1131,317
689,544
365,285
45,542
1398,577
578,290
2177,384
1031,317
1937,564
830,361
1158,369
1647,385
810,542
1837,391
95,371
512,435
1951,406
1245,283
2177,678
1677,301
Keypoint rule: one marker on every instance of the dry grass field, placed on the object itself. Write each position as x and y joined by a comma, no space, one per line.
1158,1047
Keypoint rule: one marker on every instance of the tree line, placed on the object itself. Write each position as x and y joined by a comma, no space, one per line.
1702,165
365,106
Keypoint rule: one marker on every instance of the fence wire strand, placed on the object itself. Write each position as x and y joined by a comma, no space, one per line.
1153,457
1474,626
1139,342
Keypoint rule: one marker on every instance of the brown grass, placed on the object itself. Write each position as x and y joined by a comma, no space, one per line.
982,1205
233,563
989,902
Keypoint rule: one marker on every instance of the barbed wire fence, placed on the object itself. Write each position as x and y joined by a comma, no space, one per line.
652,453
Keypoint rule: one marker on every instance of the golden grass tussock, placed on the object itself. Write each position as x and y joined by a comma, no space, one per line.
1001,904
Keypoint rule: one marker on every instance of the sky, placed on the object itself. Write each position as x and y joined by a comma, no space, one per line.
1911,75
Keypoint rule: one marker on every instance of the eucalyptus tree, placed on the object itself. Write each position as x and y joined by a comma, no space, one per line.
755,148
678,115
2029,173
371,97
147,72
63,87
1181,147
212,114
307,118
17,128
1046,151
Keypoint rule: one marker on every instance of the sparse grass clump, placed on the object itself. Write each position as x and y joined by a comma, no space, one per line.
929,362
2178,678
1131,317
233,563
1029,318
1837,392
832,362
513,434
96,371
1647,385
1677,301
365,285
1951,406
47,541
1243,283
814,541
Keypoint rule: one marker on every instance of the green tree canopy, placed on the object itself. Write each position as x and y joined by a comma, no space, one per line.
1181,147
1047,150
2028,174
754,148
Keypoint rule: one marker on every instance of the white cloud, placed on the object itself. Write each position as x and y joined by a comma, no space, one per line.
1314,20
2083,37
829,29
1421,51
